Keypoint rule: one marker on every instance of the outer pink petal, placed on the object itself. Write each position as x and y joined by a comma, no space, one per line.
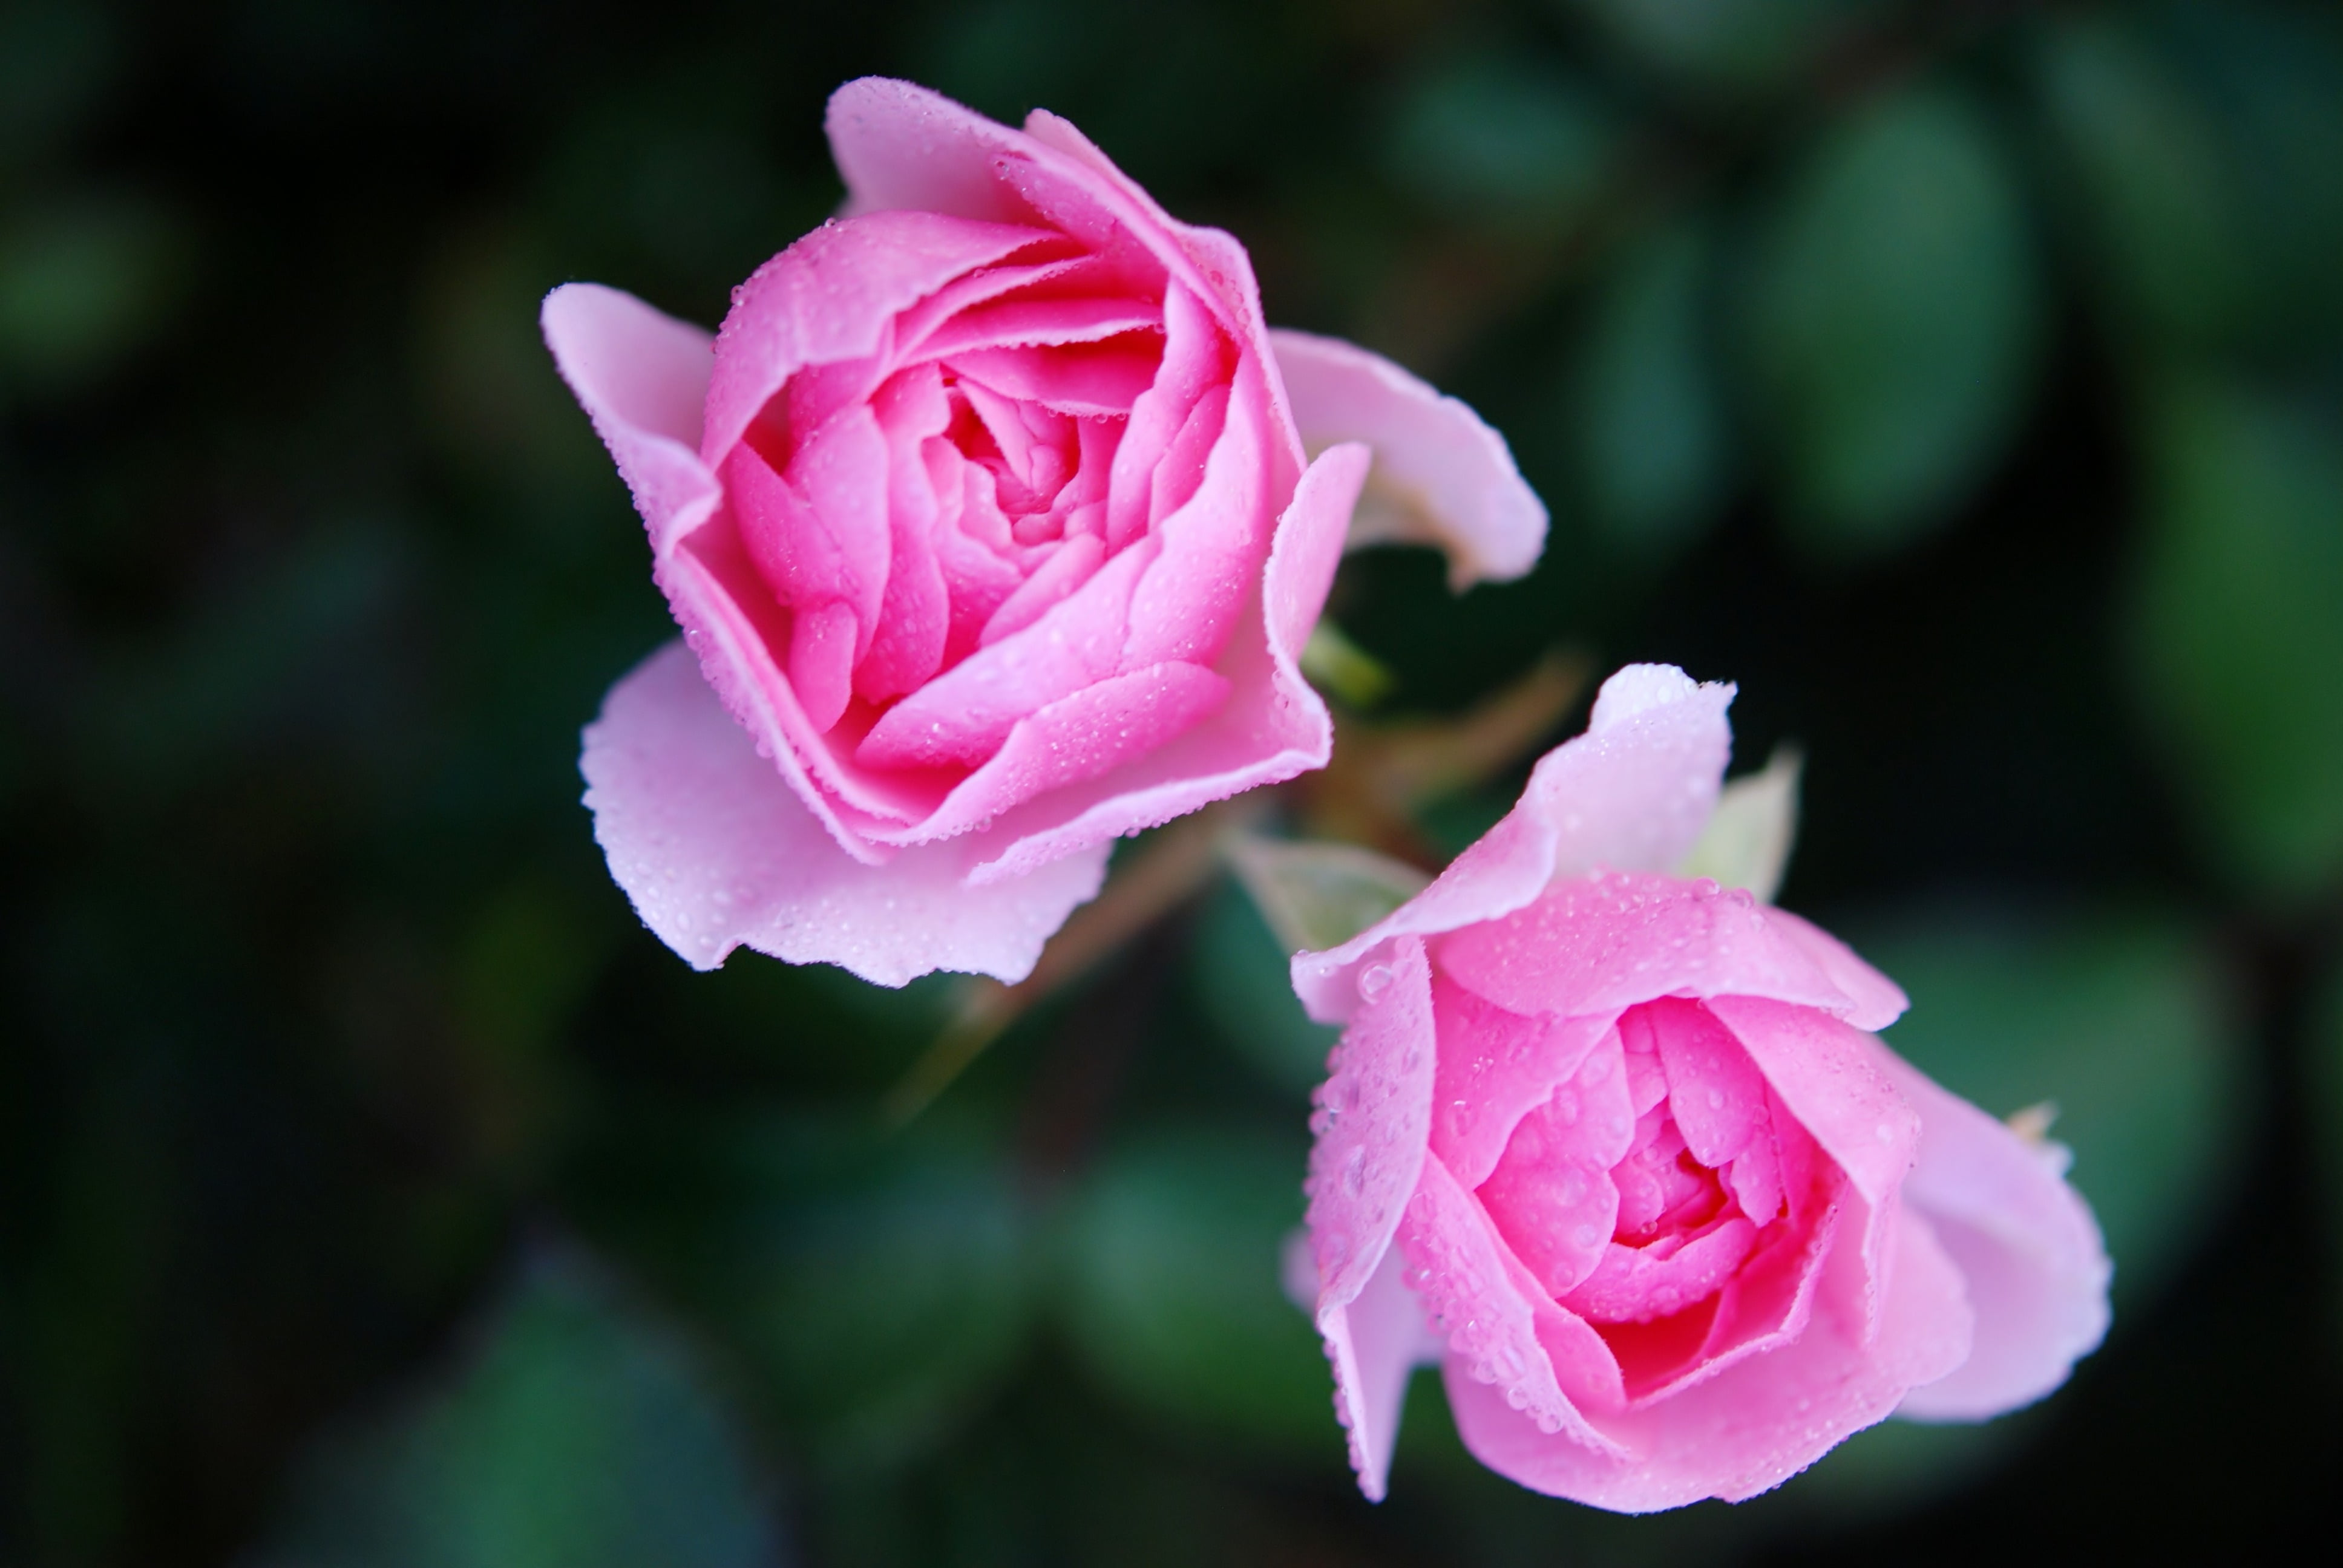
1602,944
1878,1000
1372,1122
901,146
717,851
1374,1343
1751,1426
1450,470
642,377
1632,794
1373,1126
2025,1241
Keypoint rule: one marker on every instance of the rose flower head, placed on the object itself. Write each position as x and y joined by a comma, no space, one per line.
1617,1148
995,518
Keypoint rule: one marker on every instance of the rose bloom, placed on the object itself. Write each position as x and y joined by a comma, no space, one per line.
993,522
1617,1148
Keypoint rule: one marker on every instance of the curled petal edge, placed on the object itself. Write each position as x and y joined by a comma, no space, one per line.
716,851
1443,476
2029,1247
1632,794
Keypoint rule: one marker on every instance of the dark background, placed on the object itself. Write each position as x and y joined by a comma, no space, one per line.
1965,380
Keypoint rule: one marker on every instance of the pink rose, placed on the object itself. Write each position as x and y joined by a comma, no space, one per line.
1682,1222
991,523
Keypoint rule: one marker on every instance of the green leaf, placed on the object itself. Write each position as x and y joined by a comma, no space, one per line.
876,1286
2237,621
1504,135
2121,1023
2150,180
1647,419
1892,314
1241,981
1748,841
575,1435
1318,895
1172,1298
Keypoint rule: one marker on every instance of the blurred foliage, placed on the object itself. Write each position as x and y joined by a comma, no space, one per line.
1171,1293
1892,321
1961,378
577,1436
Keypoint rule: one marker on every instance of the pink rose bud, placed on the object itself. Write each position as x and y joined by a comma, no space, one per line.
1617,1148
993,525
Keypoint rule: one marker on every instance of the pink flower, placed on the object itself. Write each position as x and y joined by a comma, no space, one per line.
1682,1222
993,526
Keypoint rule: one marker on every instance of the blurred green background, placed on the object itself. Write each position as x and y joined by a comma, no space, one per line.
1962,378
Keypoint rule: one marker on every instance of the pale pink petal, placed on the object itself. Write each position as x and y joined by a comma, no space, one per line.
1877,1001
830,299
642,377
1372,1116
1445,477
1373,1342
1600,944
1632,794
1726,1436
2026,1244
717,851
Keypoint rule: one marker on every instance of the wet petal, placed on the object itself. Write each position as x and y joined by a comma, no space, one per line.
1442,475
717,851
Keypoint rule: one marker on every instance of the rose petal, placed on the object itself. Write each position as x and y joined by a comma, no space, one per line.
1715,1093
1825,1072
717,851
1442,475
1273,725
831,297
2026,1244
1753,1426
642,377
1875,1001
1601,944
1374,1343
1499,1323
1085,735
1372,1115
1494,1066
1632,793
